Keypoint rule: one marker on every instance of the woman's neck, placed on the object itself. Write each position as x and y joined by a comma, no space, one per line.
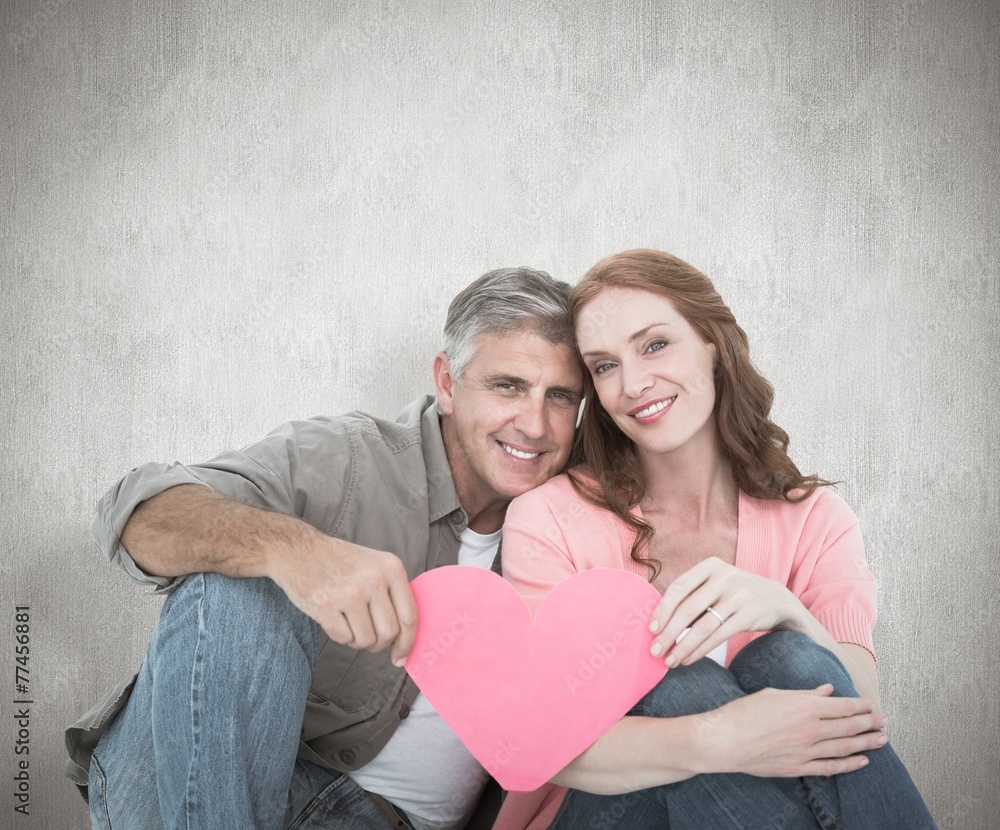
695,481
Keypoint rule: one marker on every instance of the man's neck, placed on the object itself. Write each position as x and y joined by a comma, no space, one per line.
487,521
485,511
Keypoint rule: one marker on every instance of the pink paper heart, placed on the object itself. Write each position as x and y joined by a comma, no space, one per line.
526,697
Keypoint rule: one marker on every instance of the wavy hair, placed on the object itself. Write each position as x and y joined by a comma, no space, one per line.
609,474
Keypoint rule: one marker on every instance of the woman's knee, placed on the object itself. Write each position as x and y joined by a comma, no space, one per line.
688,690
790,660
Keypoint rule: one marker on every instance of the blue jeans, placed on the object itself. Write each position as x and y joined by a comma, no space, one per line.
880,796
210,734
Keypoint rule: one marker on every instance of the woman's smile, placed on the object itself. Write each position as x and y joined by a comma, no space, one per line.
648,413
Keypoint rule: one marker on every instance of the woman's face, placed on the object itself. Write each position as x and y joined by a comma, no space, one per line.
652,371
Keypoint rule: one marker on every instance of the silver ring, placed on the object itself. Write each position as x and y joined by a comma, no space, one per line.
716,614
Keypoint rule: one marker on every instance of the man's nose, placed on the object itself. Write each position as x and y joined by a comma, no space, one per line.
530,420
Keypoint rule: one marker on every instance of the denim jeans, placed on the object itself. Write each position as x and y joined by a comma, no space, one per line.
880,796
210,734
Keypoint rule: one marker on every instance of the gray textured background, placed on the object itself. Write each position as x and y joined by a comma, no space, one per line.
219,216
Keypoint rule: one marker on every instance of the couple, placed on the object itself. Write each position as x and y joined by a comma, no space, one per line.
273,696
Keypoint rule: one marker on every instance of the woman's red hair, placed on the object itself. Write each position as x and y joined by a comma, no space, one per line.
756,447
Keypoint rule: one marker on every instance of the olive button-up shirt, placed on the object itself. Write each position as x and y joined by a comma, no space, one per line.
378,483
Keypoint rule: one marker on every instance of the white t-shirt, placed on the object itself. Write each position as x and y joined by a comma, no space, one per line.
425,769
718,654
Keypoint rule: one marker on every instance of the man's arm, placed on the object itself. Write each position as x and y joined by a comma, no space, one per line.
773,733
361,597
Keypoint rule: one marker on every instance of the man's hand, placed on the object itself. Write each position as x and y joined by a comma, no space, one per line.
361,597
788,734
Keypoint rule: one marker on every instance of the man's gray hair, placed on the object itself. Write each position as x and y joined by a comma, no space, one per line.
502,302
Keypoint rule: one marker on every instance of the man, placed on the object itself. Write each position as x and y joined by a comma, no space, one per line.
273,691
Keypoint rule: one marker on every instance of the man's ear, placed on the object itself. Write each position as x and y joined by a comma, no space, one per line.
444,383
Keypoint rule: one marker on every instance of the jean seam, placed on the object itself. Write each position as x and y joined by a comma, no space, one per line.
823,816
720,803
343,807
191,791
102,796
563,807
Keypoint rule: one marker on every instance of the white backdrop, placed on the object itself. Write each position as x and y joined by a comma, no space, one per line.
219,216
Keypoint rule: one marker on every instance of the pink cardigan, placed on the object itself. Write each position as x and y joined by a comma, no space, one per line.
813,547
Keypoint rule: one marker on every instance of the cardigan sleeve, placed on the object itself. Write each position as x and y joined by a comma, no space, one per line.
832,579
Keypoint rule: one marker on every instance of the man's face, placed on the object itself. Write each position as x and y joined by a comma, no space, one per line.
510,419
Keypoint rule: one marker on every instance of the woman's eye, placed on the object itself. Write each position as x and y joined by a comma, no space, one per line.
656,345
601,368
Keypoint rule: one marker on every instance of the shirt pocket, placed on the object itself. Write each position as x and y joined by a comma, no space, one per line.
359,684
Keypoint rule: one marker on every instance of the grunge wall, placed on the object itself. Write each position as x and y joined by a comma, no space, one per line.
219,216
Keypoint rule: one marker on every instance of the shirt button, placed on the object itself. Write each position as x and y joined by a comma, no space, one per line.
457,517
347,756
404,712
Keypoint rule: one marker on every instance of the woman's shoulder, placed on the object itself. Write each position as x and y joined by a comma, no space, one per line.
556,517
559,494
823,505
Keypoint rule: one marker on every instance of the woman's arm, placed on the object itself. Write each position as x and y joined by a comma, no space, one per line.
746,602
773,733
770,733
814,580
860,664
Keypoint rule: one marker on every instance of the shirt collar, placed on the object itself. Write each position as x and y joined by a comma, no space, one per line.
441,496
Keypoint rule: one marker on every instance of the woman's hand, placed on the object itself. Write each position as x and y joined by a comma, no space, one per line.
777,733
716,600
772,733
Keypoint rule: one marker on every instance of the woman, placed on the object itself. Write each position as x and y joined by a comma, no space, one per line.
682,477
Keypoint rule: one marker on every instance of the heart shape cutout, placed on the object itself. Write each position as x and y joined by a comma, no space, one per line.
527,696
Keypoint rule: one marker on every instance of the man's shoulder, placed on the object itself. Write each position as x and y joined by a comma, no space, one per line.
410,427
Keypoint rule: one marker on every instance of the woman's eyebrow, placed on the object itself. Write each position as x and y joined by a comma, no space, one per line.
643,332
637,336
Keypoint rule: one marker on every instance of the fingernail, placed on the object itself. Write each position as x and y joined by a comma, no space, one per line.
654,626
862,761
883,723
399,662
657,649
881,740
671,661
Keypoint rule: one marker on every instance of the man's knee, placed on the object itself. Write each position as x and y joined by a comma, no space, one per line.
790,660
219,634
239,610
688,690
